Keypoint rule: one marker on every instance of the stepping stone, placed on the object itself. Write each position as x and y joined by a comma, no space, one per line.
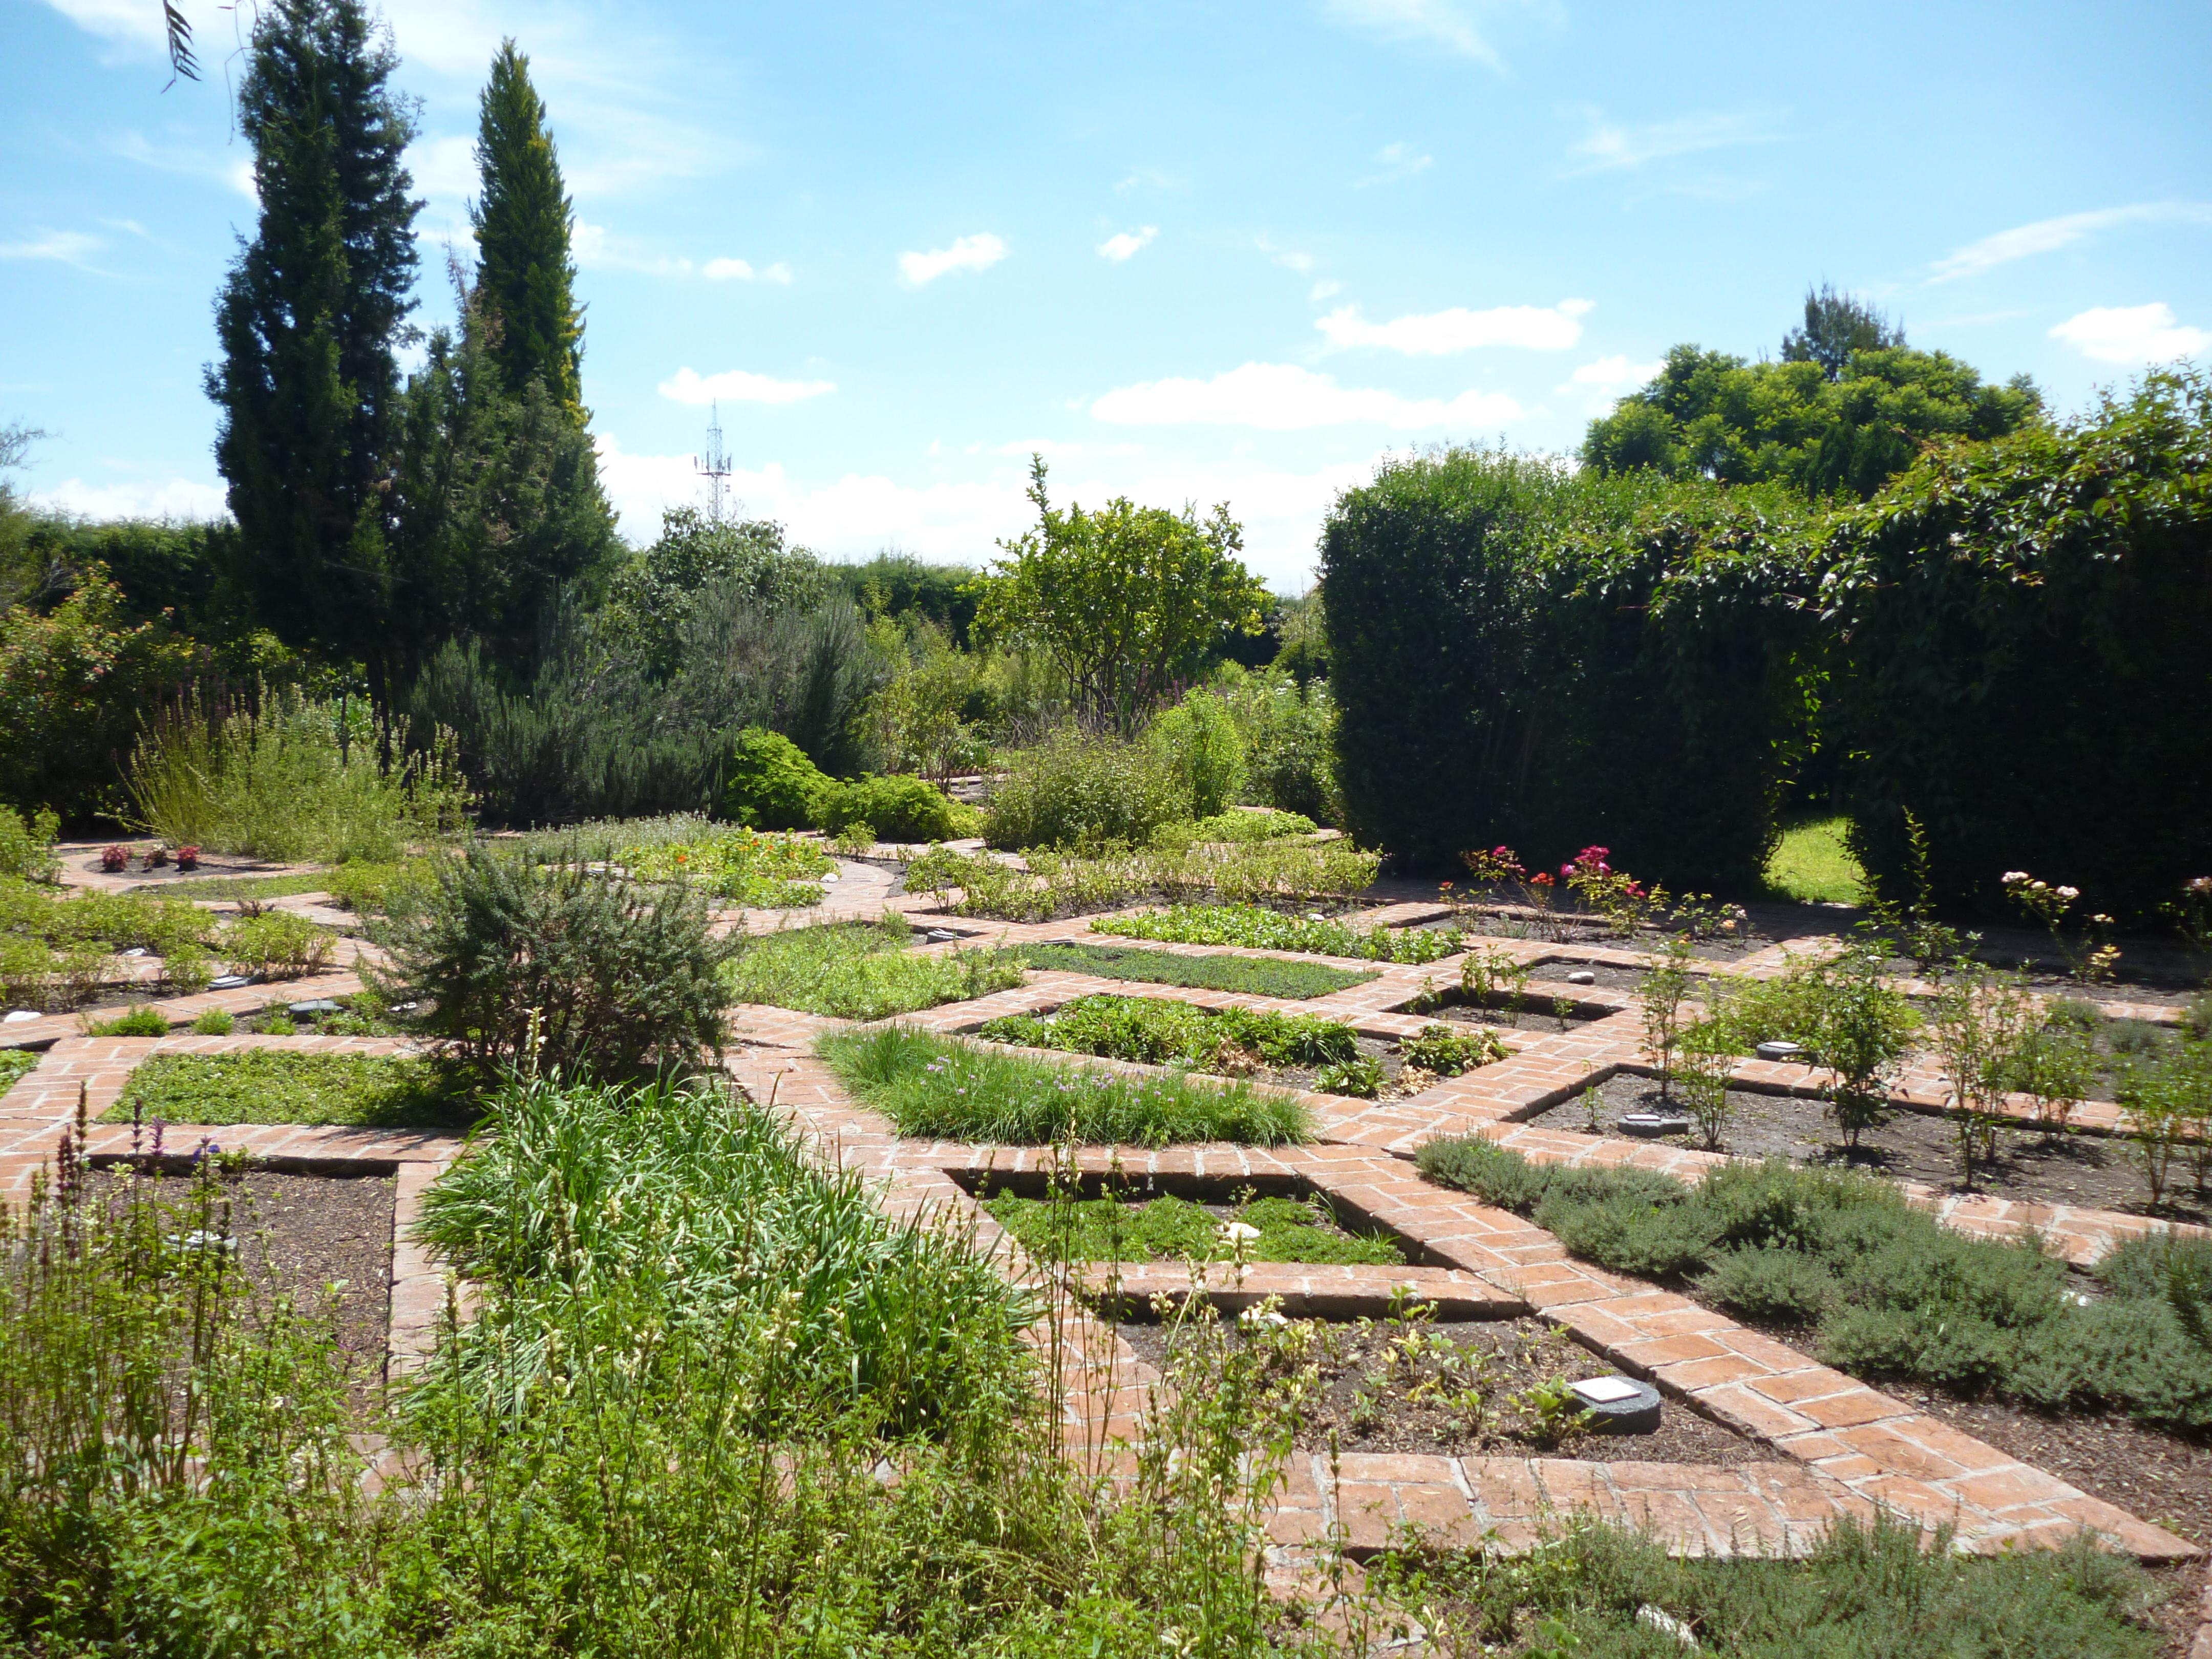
314,1010
230,982
1622,1405
1654,1123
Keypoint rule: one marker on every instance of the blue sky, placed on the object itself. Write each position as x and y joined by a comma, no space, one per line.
1190,250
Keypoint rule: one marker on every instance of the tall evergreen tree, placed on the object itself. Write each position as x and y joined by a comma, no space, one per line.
1837,326
524,277
309,318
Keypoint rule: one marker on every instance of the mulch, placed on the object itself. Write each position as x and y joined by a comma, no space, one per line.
1390,1386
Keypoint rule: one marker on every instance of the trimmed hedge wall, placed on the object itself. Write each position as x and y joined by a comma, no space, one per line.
1528,655
2024,656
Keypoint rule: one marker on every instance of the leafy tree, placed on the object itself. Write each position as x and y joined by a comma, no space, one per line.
1125,601
309,318
894,585
524,277
1715,415
19,569
658,592
1838,326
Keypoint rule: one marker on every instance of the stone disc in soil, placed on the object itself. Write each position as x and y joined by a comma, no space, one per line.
2088,1172
1389,1386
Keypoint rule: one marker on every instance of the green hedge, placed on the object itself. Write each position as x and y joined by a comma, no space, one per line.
1523,654
2025,662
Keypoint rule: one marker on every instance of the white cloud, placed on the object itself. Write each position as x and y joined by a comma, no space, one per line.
1610,145
124,22
1327,288
1126,245
737,385
175,498
2131,334
1399,162
1607,372
233,169
977,252
742,271
68,247
1427,23
1289,258
2048,235
1439,333
1283,398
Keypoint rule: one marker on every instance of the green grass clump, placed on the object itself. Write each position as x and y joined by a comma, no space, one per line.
1263,976
16,1064
862,971
1161,1031
215,1022
270,1086
1873,1589
1892,1291
1813,862
1257,927
1170,1229
144,1020
929,1085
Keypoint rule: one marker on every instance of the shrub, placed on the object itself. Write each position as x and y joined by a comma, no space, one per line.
601,975
1257,929
902,809
1075,790
1265,826
1203,745
1290,741
861,972
144,1020
26,846
933,1087
768,783
275,945
1524,655
293,779
2026,620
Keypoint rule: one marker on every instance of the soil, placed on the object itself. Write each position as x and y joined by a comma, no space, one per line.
1302,1076
304,1232
1387,1386
2094,1171
1535,1014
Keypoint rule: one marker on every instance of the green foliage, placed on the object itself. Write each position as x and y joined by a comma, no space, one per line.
275,945
293,779
1259,976
27,848
1289,728
768,783
1892,1290
16,1064
926,716
1360,1078
1850,1023
1525,654
2026,620
275,1086
900,809
1162,1031
1125,601
515,960
1258,928
522,221
214,1022
1837,328
698,566
1068,884
1821,427
1077,789
900,587
1203,746
1449,1050
1171,1229
741,866
1873,1589
940,1089
857,971
307,389
75,683
143,1020
1267,824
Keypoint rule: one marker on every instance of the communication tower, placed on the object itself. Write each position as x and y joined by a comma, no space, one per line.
715,465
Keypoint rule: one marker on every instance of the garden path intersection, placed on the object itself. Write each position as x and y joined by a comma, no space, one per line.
1840,1447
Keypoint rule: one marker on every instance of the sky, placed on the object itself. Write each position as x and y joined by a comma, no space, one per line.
1189,251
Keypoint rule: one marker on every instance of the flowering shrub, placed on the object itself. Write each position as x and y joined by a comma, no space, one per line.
1494,869
1614,894
2091,958
115,860
188,858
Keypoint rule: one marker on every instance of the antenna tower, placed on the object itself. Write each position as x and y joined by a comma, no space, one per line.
715,465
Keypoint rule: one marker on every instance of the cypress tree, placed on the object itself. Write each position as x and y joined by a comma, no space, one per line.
308,319
524,277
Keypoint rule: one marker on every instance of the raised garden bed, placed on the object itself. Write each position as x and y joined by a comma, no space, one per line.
1455,1389
1266,976
2094,1171
1165,1226
276,1085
